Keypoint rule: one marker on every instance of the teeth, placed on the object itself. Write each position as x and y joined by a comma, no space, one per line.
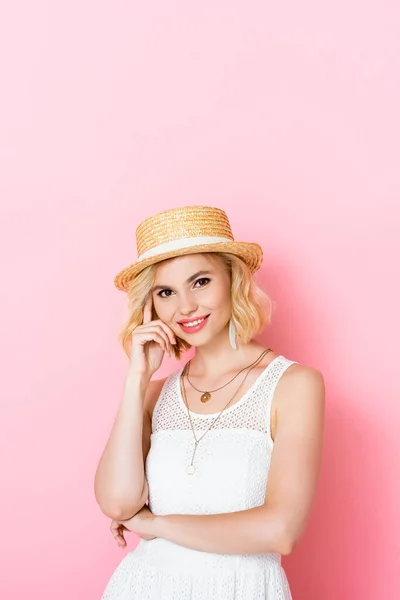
193,323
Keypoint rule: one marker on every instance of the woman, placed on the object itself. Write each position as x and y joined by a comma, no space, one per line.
226,450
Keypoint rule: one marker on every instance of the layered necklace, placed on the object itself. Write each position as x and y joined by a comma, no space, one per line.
206,394
191,468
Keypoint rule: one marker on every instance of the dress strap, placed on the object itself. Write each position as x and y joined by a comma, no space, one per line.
251,411
273,377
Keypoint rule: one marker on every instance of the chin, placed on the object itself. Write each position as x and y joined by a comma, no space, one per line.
197,341
201,338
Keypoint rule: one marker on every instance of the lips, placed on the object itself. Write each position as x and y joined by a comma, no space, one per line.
194,324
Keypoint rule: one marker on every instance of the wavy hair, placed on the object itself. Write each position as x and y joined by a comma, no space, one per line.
251,307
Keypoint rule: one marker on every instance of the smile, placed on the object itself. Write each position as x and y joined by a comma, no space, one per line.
194,325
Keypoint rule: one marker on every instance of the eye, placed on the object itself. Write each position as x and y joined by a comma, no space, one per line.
202,281
164,293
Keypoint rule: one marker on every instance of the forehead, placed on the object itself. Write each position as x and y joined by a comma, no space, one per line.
185,266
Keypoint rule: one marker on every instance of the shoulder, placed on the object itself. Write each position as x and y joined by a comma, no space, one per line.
304,375
301,388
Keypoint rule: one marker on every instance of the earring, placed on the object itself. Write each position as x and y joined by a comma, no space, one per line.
232,334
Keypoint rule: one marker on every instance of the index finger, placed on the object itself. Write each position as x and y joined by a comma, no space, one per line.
147,311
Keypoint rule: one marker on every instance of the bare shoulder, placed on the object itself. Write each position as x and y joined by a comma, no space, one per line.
302,388
298,401
297,374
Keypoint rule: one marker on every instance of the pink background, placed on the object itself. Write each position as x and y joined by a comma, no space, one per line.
284,114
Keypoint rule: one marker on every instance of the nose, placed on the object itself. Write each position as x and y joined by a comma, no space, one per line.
188,304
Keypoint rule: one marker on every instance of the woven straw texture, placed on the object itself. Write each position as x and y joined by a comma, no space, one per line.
182,223
190,221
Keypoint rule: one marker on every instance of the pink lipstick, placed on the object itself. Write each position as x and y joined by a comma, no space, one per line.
193,325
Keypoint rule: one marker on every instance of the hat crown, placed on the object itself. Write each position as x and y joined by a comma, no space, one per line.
180,224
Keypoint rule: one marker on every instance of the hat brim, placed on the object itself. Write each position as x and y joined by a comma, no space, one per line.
249,252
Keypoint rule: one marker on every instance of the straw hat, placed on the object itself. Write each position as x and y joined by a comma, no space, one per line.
187,230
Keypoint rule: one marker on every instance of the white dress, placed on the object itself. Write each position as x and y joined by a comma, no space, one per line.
232,463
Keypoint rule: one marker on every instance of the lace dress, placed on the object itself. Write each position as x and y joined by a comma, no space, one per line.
232,463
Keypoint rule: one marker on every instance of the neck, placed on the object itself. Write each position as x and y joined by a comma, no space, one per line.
218,356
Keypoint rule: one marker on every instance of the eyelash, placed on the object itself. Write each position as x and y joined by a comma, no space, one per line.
206,279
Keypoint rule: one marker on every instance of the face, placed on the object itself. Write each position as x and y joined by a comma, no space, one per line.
191,294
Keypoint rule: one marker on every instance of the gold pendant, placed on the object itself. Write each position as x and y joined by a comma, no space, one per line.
205,397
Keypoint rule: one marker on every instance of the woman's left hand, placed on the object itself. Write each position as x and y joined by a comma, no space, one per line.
141,524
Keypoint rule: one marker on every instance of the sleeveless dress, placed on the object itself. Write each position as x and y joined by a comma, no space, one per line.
232,463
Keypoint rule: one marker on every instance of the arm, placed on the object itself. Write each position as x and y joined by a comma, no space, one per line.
120,484
277,525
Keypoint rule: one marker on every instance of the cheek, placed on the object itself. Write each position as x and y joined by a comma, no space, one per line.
220,299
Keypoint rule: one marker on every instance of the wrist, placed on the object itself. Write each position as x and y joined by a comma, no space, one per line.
137,380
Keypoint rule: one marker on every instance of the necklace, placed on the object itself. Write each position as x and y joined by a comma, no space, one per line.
206,394
191,468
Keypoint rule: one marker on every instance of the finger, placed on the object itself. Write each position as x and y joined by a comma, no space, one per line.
158,327
153,336
162,328
153,330
117,533
147,311
114,528
167,330
121,538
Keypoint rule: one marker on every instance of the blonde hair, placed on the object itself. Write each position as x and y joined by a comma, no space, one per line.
251,307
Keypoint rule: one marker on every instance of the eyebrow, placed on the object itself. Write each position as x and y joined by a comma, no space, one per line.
189,280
